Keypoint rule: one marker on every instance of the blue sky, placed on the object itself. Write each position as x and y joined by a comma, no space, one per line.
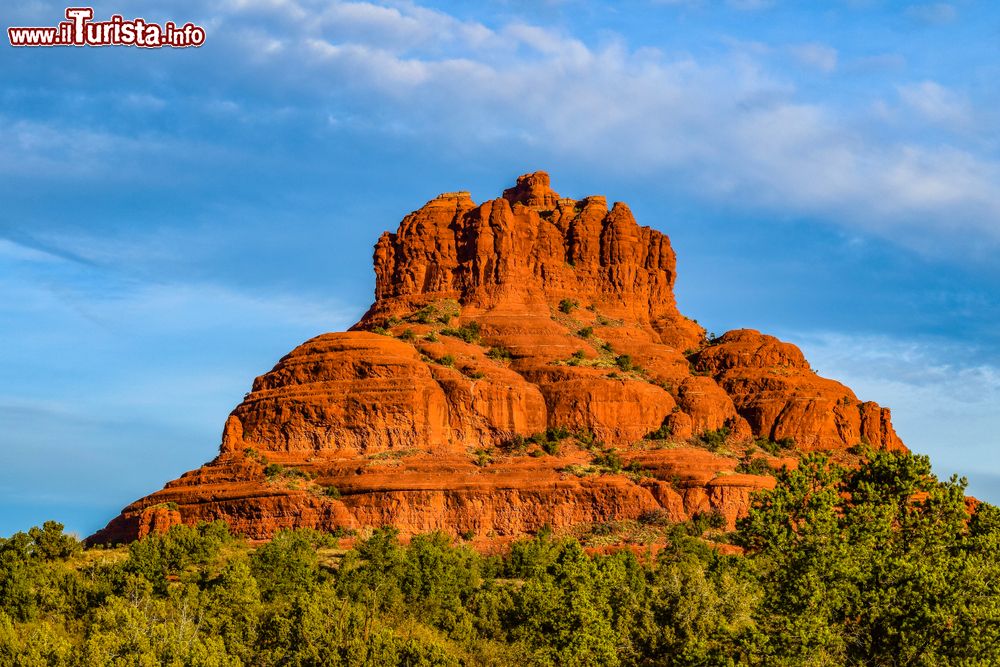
172,222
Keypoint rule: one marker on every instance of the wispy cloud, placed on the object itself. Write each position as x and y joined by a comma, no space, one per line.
815,55
943,395
730,126
932,13
936,103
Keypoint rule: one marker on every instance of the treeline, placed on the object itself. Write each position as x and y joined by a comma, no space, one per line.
882,565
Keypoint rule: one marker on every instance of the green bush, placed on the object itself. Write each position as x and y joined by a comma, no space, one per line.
499,354
625,364
568,305
277,471
754,466
714,440
468,332
609,460
663,432
424,316
775,447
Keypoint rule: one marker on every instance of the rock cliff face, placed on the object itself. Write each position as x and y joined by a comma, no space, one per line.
492,324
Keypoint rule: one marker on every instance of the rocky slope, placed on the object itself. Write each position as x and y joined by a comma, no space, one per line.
492,324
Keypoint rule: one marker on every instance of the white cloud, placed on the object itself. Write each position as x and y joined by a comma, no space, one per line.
932,13
936,103
728,127
943,402
817,56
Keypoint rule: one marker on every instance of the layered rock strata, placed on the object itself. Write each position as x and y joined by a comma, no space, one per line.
493,323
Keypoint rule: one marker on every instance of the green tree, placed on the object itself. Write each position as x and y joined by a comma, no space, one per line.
286,565
875,566
564,615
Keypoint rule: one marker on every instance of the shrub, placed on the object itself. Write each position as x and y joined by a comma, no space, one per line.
625,364
447,360
276,470
610,460
713,440
754,466
469,332
655,518
585,332
331,492
702,521
431,337
424,316
499,354
516,443
661,433
775,447
407,335
567,305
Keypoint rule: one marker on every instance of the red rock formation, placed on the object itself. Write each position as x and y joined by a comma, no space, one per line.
493,322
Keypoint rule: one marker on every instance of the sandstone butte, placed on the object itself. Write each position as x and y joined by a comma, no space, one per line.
492,323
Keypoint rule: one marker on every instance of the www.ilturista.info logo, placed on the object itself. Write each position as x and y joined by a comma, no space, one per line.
80,30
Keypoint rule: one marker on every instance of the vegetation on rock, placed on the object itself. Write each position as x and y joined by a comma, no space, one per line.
880,565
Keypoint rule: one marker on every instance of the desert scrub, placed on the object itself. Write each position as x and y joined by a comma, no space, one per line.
499,354
751,465
713,440
567,306
469,332
662,433
275,471
609,461
438,311
775,447
395,454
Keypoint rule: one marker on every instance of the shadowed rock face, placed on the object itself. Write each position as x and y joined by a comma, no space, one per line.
495,321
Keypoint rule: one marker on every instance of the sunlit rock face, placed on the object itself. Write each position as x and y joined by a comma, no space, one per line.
493,322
